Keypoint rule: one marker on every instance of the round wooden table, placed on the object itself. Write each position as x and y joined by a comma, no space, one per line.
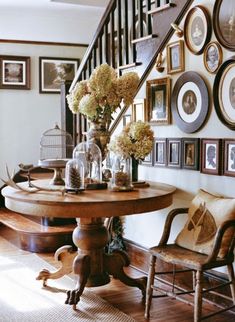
90,208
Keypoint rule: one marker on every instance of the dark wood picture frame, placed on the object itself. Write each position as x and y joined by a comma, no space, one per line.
212,57
190,153
160,156
14,72
148,160
211,156
174,152
229,157
175,57
224,93
55,71
197,29
158,100
224,24
190,106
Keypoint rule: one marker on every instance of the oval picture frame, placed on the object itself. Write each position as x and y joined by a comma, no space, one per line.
190,102
224,23
224,93
212,57
197,29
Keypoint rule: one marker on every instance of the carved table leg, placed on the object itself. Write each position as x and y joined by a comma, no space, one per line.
114,263
65,255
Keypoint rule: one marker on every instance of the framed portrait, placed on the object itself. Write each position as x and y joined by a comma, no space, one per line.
174,153
224,23
211,156
159,159
190,102
139,112
197,29
175,57
213,56
126,119
190,153
54,71
15,72
229,157
158,100
224,93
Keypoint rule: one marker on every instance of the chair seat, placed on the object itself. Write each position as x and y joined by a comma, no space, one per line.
175,254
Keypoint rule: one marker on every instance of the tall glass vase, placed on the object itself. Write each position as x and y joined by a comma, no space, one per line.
99,134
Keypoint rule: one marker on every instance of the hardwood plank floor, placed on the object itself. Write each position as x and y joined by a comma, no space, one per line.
127,299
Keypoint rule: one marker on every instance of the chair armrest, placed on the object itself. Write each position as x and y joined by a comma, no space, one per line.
167,228
218,239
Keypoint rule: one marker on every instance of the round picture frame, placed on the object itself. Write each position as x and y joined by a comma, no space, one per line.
212,57
224,93
197,29
224,23
190,102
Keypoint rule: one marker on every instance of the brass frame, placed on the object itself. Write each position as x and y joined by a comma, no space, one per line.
163,84
170,68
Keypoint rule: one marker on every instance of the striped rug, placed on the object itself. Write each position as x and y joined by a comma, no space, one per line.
23,299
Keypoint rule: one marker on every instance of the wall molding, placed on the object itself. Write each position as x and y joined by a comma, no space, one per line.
47,43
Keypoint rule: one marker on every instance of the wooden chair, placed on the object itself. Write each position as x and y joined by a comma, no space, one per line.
192,260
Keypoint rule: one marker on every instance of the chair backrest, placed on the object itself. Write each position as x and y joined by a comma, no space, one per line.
206,214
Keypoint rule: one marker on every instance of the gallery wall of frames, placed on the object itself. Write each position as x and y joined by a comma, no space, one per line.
188,103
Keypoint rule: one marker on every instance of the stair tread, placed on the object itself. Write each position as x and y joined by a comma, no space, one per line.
20,223
144,38
162,8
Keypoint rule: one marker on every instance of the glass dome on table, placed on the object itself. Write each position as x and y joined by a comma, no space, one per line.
90,155
56,147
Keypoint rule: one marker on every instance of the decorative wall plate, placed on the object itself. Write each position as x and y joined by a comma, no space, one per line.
224,93
190,102
197,29
224,23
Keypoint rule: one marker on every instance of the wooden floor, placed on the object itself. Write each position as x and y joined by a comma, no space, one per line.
127,299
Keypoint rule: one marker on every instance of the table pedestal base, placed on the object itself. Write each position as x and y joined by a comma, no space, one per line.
91,264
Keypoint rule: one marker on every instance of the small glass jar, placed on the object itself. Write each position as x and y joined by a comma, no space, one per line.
90,155
74,176
121,174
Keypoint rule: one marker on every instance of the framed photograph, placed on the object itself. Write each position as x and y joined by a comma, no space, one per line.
148,160
174,153
54,71
160,152
158,100
211,156
175,57
190,153
229,157
15,72
139,110
126,119
224,93
190,102
224,23
197,29
212,57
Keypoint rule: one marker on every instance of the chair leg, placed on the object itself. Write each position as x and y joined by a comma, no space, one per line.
231,279
150,283
198,297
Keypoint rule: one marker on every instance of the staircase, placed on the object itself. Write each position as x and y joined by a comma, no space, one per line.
129,37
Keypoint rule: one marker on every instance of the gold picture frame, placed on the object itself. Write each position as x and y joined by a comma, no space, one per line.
175,57
158,100
139,110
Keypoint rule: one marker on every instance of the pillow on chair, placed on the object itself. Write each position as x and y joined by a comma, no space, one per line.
205,215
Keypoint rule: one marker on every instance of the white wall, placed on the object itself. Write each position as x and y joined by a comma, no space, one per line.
146,229
26,114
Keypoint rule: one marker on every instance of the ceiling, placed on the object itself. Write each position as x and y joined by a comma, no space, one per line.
52,3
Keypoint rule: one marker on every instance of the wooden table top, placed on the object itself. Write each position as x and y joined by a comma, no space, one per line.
89,203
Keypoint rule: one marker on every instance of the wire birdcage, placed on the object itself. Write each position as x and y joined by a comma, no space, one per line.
56,144
56,148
